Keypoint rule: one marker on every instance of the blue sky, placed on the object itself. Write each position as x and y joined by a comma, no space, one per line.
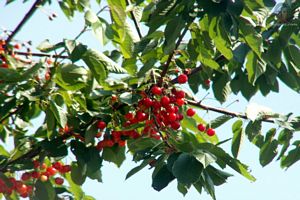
272,182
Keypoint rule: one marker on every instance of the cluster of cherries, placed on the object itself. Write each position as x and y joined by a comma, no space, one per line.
24,186
159,109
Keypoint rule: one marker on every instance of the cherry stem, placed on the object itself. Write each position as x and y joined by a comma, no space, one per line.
40,54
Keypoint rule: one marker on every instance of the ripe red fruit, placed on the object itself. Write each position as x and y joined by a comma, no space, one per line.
122,143
201,127
101,125
65,169
172,116
207,82
35,174
165,101
180,94
21,188
26,176
182,78
156,90
180,102
140,116
147,102
129,116
4,65
36,164
51,171
17,46
175,125
57,165
59,181
47,76
190,112
210,132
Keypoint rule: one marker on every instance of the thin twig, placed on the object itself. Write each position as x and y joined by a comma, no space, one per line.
136,24
167,65
24,20
15,111
223,111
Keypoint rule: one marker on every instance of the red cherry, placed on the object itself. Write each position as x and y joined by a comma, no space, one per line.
36,164
165,101
182,78
207,82
101,125
35,174
26,176
175,125
65,169
190,112
21,188
109,143
172,116
147,102
51,171
180,94
201,127
17,46
49,61
129,116
4,65
43,166
210,132
59,180
156,90
179,116
47,76
57,165
122,143
141,116
180,102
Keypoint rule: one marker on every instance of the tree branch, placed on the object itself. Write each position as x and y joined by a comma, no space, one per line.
167,65
223,111
136,24
24,20
40,55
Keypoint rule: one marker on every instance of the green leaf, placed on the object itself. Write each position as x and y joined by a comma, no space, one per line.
218,177
221,87
255,67
219,121
90,133
252,37
44,190
182,188
208,184
187,169
220,37
114,154
137,169
162,177
253,131
225,159
59,114
47,47
74,188
78,173
292,157
205,158
50,121
238,132
172,32
93,60
269,149
295,52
